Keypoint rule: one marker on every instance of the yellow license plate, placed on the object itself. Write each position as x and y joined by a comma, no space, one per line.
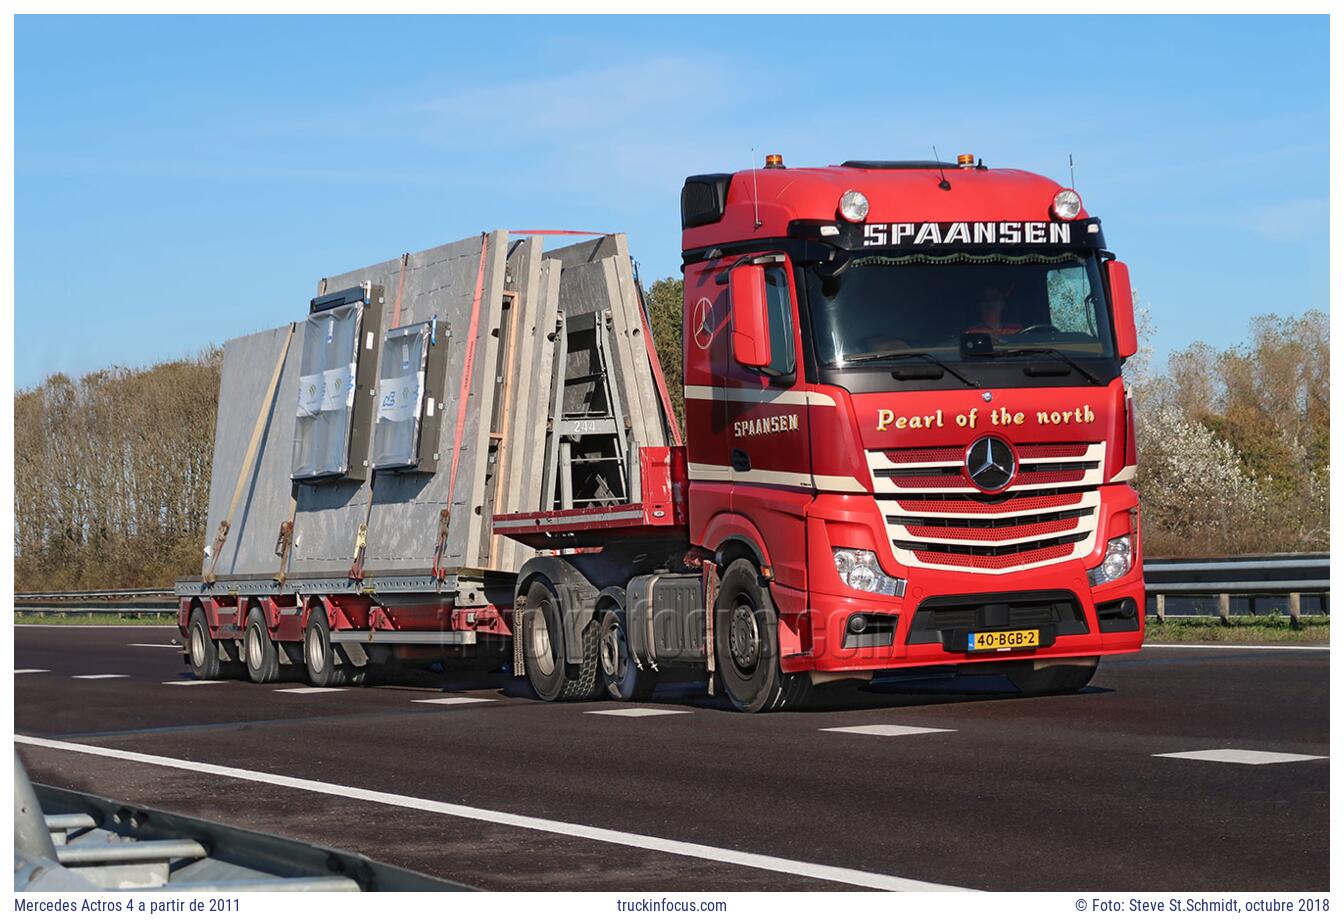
1003,640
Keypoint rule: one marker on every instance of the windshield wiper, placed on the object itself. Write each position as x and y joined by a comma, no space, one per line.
1054,353
869,356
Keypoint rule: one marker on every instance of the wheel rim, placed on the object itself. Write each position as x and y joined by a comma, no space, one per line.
542,653
744,637
197,646
317,650
254,656
614,659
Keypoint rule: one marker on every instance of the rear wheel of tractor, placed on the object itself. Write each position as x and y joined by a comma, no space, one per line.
746,644
319,657
544,649
1059,678
624,680
259,651
201,649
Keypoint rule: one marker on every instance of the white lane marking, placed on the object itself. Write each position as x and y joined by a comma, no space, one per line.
1233,755
154,645
856,877
31,671
98,676
887,731
312,690
1222,646
636,712
192,683
453,700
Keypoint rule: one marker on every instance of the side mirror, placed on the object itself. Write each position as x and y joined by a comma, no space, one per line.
1122,308
751,315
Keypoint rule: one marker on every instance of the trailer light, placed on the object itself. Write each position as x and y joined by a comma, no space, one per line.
1116,564
853,206
860,570
774,161
1067,204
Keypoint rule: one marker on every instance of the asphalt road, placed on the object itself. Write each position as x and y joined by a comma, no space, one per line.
503,792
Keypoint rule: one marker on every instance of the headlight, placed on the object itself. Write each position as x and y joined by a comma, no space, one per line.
1119,559
860,570
1067,204
853,206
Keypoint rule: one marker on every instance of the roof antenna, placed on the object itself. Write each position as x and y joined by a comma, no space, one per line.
755,192
1071,184
942,177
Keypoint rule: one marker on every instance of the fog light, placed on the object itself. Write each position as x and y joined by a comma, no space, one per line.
1067,204
860,570
858,623
853,206
1116,564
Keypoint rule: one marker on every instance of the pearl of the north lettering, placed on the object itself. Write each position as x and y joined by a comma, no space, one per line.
1002,417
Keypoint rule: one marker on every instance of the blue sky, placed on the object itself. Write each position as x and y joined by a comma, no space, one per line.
183,180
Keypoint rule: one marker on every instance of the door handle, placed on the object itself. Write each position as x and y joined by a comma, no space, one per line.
741,462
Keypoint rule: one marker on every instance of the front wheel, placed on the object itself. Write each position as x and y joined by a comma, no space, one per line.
746,644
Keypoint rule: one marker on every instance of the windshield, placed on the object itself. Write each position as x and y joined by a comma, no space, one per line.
882,304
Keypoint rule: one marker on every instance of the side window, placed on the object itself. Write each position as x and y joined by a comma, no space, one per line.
781,321
1070,296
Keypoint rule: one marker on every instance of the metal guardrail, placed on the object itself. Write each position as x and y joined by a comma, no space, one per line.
1289,575
1286,575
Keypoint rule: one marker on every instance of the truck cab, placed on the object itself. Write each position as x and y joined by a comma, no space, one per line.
905,412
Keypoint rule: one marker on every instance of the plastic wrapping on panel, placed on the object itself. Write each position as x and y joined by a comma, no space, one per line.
397,433
329,388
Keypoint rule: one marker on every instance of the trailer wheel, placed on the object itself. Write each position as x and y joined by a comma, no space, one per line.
544,649
623,678
1059,678
259,651
746,644
201,649
319,657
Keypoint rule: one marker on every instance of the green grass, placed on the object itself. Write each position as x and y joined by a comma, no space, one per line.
96,619
1259,629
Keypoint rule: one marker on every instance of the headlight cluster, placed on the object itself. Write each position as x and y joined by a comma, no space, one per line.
860,570
1119,559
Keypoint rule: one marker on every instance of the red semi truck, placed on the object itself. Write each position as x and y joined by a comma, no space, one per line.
908,444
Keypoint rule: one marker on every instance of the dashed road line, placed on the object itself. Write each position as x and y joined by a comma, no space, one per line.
844,875
887,731
636,712
1235,755
31,671
98,676
155,645
311,690
192,683
453,700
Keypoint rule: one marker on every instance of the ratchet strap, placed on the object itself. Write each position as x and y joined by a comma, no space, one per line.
249,457
468,365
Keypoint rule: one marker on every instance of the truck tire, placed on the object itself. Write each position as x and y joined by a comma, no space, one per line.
1059,678
544,649
201,649
746,644
319,657
259,652
623,679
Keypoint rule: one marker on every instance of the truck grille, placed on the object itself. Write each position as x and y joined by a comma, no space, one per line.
936,519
